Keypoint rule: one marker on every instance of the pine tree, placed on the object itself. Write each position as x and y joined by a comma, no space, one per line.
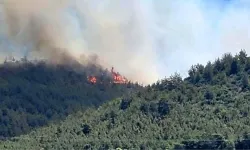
245,81
234,66
208,73
243,57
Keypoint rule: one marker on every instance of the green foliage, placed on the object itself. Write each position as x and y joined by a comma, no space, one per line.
34,94
86,129
207,110
208,72
245,81
125,103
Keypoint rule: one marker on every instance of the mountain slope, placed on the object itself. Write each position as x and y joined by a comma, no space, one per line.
208,110
34,94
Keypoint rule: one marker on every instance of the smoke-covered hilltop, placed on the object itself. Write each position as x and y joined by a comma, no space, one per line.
82,28
34,93
142,39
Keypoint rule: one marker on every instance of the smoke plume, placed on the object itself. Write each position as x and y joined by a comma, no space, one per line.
143,39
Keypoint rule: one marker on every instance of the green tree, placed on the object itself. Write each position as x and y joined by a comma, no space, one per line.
235,67
245,81
200,68
208,72
247,66
218,66
192,73
242,57
227,60
209,95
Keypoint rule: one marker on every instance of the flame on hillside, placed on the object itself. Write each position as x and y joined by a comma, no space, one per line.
92,79
116,78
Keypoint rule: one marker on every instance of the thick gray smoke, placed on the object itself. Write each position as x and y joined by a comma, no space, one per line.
143,39
114,30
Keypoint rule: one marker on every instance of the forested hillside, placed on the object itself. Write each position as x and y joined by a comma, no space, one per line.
32,94
207,110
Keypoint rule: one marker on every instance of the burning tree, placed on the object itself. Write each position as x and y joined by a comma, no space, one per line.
92,79
116,78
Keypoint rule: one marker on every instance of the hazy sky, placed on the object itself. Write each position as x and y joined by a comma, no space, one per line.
161,36
196,31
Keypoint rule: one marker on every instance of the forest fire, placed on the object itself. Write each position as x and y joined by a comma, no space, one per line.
116,78
92,79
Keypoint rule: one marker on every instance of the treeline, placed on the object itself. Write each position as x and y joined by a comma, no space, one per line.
33,94
216,72
210,109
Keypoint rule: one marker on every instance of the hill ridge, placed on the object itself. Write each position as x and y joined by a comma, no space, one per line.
33,94
207,110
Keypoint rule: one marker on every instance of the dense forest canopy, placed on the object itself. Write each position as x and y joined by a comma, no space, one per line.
34,93
207,110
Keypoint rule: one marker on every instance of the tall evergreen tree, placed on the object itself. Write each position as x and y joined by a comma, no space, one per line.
235,67
245,81
208,72
218,66
242,57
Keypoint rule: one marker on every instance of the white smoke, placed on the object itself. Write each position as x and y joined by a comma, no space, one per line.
144,39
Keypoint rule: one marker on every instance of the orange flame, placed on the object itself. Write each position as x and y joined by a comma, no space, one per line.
116,77
92,79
